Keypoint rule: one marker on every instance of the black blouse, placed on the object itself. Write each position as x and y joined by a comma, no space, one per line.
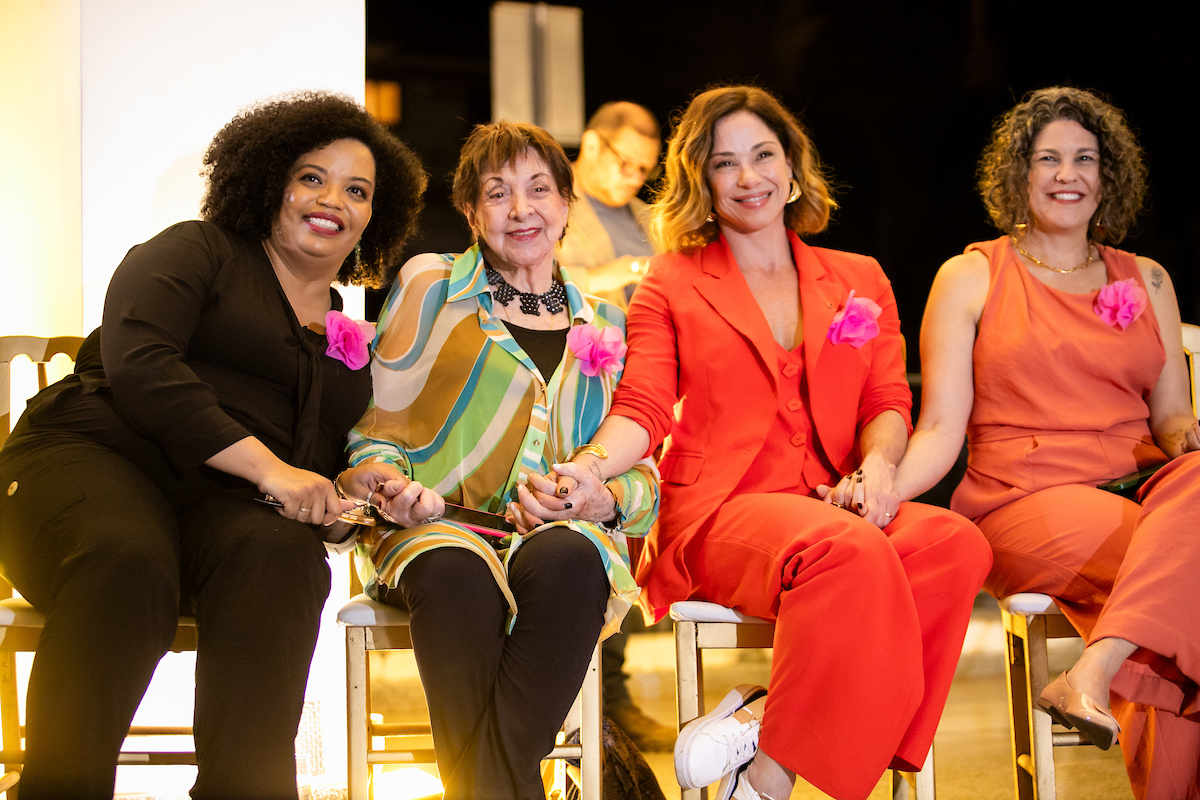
199,348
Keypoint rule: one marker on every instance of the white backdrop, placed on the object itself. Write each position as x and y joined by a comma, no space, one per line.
105,113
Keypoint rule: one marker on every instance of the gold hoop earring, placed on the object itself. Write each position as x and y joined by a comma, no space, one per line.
796,191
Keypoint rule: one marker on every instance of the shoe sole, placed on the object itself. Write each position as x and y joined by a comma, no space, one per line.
728,705
1098,735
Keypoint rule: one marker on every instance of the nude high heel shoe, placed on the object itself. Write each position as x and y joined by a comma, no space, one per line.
1076,710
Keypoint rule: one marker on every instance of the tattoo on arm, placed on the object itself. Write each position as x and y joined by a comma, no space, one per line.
1156,279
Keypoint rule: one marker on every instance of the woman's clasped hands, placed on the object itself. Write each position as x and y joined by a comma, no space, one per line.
385,488
569,491
868,492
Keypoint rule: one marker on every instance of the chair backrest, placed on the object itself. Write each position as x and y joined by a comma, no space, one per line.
39,350
1191,348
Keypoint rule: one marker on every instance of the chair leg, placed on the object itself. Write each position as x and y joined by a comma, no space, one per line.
358,772
689,686
591,734
1027,669
917,785
1038,669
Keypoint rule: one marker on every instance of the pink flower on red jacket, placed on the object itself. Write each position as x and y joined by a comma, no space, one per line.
1120,302
349,339
597,349
855,324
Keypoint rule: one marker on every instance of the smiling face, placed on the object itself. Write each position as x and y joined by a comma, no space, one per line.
326,204
749,174
1064,177
520,214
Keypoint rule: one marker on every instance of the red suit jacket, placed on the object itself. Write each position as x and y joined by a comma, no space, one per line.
701,377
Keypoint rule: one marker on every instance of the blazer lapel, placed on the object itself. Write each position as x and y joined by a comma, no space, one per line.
821,297
722,285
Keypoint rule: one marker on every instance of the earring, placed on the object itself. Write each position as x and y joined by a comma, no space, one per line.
710,217
1021,226
796,191
358,256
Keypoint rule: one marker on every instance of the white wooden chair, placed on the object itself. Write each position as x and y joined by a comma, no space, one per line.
21,625
1030,620
703,626
372,626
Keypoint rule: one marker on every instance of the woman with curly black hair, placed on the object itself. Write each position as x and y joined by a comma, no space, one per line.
224,369
1059,356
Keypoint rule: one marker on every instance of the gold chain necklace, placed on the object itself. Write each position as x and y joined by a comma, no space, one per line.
1040,263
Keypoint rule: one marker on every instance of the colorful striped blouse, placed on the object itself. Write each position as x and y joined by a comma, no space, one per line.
461,408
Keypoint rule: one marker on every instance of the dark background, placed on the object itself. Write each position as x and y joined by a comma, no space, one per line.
899,98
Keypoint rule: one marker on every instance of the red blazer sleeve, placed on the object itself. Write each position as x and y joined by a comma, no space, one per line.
886,387
650,384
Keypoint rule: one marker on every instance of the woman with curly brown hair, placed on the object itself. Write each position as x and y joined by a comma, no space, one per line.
1059,357
224,368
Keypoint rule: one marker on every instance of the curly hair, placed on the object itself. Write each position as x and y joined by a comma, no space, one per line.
683,203
490,146
1004,167
250,160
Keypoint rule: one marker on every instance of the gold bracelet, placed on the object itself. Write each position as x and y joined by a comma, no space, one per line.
595,449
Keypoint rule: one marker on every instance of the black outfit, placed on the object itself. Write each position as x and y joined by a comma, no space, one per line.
112,520
490,723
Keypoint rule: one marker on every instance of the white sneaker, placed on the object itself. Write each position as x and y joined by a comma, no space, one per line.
711,746
735,787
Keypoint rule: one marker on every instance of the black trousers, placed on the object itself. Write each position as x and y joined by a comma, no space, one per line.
496,700
91,542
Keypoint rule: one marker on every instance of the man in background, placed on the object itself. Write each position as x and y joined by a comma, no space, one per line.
606,249
607,244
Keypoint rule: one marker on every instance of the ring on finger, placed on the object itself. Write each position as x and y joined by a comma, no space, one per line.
839,505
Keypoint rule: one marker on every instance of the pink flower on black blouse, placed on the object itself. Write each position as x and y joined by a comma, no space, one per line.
855,324
597,349
349,339
1120,303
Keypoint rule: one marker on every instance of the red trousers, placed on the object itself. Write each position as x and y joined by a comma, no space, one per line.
869,626
1120,569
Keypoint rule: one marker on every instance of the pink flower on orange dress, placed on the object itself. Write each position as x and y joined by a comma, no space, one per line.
597,349
855,324
349,339
1120,302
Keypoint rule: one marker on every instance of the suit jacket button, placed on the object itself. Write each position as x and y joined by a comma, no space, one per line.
798,439
793,404
12,488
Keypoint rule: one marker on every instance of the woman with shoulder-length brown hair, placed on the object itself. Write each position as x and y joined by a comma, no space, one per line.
1059,357
776,370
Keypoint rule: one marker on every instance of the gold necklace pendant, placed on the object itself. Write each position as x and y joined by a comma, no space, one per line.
1044,265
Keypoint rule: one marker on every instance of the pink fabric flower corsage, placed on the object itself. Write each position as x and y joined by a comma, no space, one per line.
855,324
1120,302
349,339
597,349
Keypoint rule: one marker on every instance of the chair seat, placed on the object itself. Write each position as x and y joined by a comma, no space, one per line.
703,611
16,612
1029,603
363,612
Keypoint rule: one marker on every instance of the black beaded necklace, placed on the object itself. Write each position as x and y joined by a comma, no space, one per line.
553,298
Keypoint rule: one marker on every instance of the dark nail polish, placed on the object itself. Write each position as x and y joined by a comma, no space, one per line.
567,505
858,479
860,506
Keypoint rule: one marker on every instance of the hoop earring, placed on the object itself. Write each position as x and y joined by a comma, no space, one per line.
796,191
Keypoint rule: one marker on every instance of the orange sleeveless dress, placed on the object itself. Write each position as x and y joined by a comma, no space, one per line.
1061,405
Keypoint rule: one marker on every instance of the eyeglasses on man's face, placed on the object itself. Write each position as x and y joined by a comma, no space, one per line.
630,168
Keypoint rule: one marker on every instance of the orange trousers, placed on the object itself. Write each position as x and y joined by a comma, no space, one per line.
869,626
1120,569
